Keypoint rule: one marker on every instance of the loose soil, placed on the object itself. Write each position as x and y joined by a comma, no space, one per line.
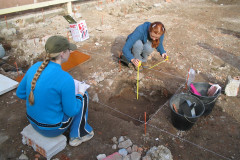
201,34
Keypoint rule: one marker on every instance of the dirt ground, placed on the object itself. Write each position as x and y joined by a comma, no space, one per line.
201,34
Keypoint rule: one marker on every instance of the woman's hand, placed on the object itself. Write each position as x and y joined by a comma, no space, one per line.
164,55
135,62
82,87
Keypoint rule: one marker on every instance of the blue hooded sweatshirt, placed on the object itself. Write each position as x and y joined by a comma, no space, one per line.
140,33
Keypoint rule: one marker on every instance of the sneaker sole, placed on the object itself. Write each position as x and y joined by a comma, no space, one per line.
77,143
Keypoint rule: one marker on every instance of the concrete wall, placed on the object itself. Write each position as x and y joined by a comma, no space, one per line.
15,3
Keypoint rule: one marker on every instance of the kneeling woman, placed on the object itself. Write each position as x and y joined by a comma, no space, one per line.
142,41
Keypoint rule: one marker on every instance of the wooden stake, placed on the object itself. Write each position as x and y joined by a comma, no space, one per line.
67,36
100,2
6,21
119,63
16,67
42,14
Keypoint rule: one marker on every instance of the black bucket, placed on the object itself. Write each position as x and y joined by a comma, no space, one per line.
182,122
208,101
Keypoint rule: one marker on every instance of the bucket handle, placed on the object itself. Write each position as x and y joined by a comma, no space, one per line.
214,99
188,119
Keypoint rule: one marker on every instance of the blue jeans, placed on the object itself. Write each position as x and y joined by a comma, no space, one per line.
78,124
142,51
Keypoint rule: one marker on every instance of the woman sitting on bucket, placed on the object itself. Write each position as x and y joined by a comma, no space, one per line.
142,41
52,106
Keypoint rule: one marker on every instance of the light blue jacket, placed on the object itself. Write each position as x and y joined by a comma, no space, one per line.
54,94
140,33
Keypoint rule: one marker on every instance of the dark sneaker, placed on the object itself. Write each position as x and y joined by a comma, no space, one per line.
131,66
124,60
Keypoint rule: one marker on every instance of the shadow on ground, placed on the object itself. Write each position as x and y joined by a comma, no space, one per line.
227,57
230,32
117,46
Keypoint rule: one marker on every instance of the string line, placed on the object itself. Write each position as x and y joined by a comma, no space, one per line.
162,130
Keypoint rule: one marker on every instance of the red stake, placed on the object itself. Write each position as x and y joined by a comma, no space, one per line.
16,67
42,14
6,21
145,123
67,35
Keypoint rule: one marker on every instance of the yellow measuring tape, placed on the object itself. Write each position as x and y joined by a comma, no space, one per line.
139,64
159,63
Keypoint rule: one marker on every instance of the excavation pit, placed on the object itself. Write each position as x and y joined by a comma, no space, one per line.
148,101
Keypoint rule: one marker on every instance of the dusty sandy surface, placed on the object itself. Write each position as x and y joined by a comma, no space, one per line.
201,34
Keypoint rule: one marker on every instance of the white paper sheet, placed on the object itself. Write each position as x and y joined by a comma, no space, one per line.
7,84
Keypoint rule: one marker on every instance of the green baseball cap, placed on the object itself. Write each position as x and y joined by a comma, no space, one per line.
56,44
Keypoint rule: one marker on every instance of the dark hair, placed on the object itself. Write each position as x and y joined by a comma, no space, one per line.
159,29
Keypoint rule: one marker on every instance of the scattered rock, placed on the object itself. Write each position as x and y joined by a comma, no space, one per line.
114,139
157,5
95,98
121,139
140,150
3,138
127,157
123,152
134,148
135,156
110,82
99,78
114,156
9,32
129,149
125,144
114,146
160,152
101,156
23,157
146,158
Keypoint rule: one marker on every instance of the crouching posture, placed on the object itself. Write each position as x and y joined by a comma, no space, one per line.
51,103
141,43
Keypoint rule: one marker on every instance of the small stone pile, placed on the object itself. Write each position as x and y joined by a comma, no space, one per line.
160,152
126,148
128,151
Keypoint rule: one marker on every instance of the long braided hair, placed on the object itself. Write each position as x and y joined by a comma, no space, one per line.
159,29
36,76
